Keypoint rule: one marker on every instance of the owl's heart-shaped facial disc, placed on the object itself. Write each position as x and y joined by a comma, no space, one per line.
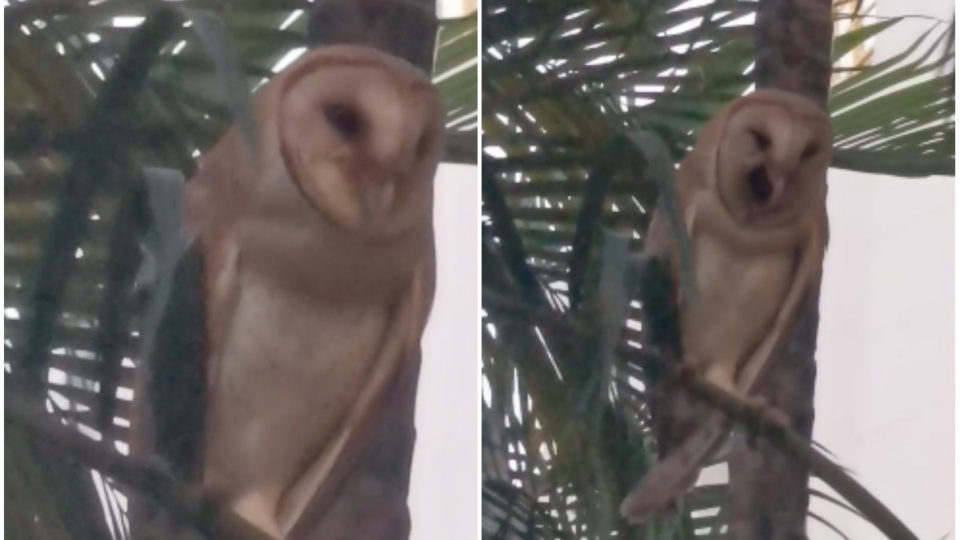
771,159
363,131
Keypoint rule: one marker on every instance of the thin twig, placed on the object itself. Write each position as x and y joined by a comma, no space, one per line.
190,505
892,17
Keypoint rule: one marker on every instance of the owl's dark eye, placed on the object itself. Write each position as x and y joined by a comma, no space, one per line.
761,140
809,151
345,119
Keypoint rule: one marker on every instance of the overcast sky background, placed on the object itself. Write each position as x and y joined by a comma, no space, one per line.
444,491
885,382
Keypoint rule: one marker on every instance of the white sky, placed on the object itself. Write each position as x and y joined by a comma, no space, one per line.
885,384
444,490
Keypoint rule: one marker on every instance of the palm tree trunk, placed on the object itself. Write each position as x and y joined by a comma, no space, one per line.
403,28
768,495
792,44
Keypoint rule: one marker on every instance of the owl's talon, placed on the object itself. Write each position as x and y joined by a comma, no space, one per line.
769,415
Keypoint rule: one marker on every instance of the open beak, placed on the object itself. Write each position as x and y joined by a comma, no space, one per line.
766,187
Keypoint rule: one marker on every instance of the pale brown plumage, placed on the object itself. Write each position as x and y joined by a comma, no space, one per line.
752,194
318,262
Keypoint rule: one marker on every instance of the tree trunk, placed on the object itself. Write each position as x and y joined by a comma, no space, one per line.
768,496
403,28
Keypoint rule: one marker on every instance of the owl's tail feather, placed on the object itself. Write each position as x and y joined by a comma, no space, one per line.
670,479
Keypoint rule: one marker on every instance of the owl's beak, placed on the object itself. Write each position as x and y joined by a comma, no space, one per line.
760,186
375,189
377,195
766,185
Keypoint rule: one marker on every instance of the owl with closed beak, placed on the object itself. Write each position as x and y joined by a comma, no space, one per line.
317,260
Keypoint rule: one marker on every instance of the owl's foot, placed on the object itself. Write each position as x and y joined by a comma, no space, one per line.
769,415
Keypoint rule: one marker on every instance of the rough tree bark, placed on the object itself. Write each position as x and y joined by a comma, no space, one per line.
768,496
403,28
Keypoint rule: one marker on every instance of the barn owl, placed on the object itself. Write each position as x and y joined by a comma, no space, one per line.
752,194
318,276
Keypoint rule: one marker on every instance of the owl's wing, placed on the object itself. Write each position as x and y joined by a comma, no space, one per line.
168,422
177,378
181,359
372,478
809,262
365,470
214,203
